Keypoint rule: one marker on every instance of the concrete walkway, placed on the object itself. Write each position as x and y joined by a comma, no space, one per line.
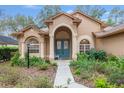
64,77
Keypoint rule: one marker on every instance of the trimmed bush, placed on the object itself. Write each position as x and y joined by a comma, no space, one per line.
7,52
97,55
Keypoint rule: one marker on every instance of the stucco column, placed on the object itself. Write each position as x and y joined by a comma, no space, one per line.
42,49
51,55
22,49
74,47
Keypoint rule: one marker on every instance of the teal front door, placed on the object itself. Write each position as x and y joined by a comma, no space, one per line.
62,49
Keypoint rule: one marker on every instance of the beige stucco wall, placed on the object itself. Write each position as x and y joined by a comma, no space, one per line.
29,34
113,44
85,29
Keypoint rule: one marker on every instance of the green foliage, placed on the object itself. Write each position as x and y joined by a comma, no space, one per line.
117,15
77,71
44,66
7,52
82,56
113,58
15,23
15,59
86,75
110,22
116,78
97,55
94,63
101,82
36,61
54,64
33,61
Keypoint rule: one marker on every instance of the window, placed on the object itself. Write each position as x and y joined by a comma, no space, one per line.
33,45
58,44
66,44
84,45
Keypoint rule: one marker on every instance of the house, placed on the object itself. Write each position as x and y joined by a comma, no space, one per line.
68,34
7,41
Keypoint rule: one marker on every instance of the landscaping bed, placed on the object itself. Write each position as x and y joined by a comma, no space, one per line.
15,73
23,77
98,70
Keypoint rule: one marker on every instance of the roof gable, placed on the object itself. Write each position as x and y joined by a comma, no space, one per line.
60,14
36,28
91,18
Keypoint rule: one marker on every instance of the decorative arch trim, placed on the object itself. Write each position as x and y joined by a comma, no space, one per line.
87,37
31,37
65,25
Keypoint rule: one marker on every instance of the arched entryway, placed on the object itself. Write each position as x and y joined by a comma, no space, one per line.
63,43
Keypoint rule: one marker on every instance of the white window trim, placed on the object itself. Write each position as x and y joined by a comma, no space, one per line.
84,46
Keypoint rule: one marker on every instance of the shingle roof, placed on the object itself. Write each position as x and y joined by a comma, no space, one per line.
7,40
110,31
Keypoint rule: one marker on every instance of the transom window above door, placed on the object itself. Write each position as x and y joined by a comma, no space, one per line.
85,45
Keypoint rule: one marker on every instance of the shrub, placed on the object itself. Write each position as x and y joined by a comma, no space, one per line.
44,66
116,78
77,72
101,82
7,52
82,56
74,63
15,59
85,75
36,61
97,55
113,58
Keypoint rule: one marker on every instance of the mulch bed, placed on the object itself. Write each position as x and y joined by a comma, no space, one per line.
85,82
34,72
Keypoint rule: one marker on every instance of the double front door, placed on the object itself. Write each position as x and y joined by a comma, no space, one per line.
62,49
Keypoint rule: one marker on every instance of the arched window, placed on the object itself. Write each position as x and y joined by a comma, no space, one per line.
84,45
33,45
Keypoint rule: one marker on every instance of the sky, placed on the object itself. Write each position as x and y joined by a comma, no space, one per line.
33,10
